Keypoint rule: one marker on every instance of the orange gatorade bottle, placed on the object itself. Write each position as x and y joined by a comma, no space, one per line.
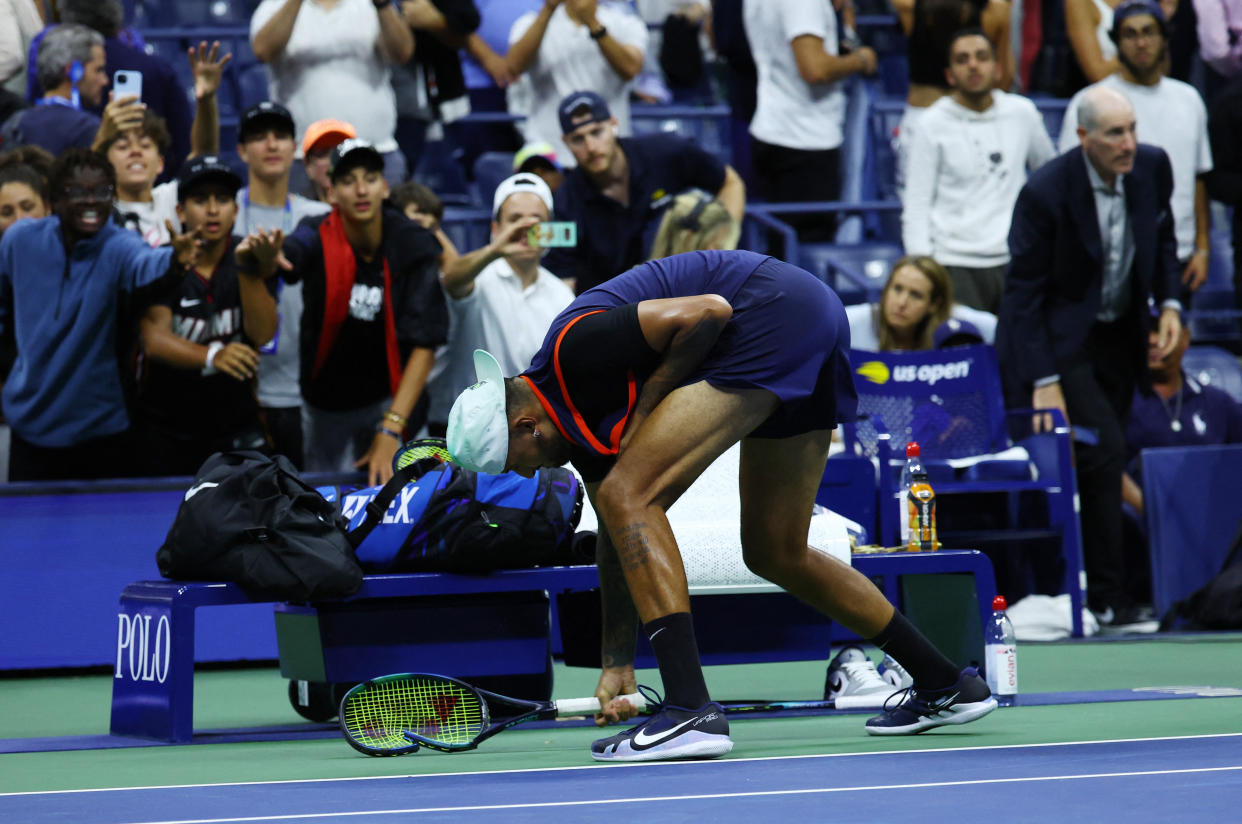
920,504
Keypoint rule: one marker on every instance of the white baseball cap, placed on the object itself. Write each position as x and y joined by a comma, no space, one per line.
478,428
521,182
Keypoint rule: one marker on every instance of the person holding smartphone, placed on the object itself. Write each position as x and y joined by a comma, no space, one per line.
499,297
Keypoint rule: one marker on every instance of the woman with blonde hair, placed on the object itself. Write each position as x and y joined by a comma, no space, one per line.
916,300
694,221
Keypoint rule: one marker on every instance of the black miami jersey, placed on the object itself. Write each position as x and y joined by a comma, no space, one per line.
185,401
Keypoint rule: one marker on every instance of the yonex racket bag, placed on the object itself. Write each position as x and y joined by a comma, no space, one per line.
451,519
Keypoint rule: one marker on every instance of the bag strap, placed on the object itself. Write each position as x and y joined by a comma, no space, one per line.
379,504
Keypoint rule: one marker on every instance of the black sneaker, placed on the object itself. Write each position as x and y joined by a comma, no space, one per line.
673,732
918,710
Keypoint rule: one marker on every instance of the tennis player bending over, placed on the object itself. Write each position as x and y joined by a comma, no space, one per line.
642,382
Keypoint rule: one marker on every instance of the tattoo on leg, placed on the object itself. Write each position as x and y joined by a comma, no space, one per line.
633,549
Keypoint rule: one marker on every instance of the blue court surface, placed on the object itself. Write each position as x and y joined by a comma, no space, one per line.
1193,778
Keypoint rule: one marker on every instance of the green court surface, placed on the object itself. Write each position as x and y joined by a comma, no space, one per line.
226,699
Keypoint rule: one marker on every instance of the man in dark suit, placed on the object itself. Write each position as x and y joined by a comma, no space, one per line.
1092,248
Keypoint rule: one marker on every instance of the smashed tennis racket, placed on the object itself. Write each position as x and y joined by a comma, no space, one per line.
398,714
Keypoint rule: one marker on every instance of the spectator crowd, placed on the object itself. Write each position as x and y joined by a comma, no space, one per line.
172,284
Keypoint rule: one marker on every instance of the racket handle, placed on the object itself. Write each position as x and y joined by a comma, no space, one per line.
590,706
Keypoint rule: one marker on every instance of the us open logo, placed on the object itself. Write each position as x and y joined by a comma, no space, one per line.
142,655
877,372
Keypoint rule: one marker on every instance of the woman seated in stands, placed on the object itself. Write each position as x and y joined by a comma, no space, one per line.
694,221
916,300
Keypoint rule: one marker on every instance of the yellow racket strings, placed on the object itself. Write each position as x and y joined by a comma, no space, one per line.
379,715
421,452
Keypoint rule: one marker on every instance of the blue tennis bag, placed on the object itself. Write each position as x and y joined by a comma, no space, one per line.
451,519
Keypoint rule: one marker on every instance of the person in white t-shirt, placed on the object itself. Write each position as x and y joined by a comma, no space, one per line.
332,59
265,142
570,45
134,139
1169,114
967,166
499,298
798,127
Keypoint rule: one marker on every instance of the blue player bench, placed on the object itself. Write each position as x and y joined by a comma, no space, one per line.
466,625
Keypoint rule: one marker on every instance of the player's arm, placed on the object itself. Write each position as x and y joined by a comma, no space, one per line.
620,628
683,330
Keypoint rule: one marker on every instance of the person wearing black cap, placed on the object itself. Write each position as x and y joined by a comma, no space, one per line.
266,144
200,337
1171,115
373,316
621,187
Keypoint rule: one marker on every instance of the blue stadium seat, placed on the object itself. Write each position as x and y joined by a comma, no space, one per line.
1053,111
170,13
489,169
884,119
252,85
1214,366
707,130
1214,315
856,271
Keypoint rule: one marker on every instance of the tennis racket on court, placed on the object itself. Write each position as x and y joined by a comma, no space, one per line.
397,714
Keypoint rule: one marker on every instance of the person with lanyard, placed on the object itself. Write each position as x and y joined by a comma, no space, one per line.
70,65
266,144
373,316
197,396
642,382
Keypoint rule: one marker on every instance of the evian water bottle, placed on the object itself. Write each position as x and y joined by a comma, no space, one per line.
1001,653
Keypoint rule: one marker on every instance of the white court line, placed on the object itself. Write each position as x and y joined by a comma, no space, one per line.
623,764
695,797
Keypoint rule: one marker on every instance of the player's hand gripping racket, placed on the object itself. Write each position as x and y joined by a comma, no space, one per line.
396,714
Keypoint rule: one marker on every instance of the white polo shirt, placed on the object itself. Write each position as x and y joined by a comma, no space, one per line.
789,111
501,316
569,61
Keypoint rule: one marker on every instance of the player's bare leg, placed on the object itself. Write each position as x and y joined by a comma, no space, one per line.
777,481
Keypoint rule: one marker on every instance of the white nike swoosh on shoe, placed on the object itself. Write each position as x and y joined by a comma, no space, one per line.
642,740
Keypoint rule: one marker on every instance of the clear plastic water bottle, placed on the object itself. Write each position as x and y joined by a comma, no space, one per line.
903,490
920,503
1001,653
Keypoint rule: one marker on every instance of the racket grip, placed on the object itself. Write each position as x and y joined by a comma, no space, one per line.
590,706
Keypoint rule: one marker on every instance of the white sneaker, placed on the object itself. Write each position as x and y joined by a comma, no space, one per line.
895,674
853,681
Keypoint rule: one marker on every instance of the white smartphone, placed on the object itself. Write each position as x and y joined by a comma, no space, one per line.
126,82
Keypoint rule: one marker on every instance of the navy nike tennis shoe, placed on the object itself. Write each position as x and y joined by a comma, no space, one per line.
673,732
917,710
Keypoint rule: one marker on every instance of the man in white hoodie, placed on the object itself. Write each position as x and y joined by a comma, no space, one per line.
967,166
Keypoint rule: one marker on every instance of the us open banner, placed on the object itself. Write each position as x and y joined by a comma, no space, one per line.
949,400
